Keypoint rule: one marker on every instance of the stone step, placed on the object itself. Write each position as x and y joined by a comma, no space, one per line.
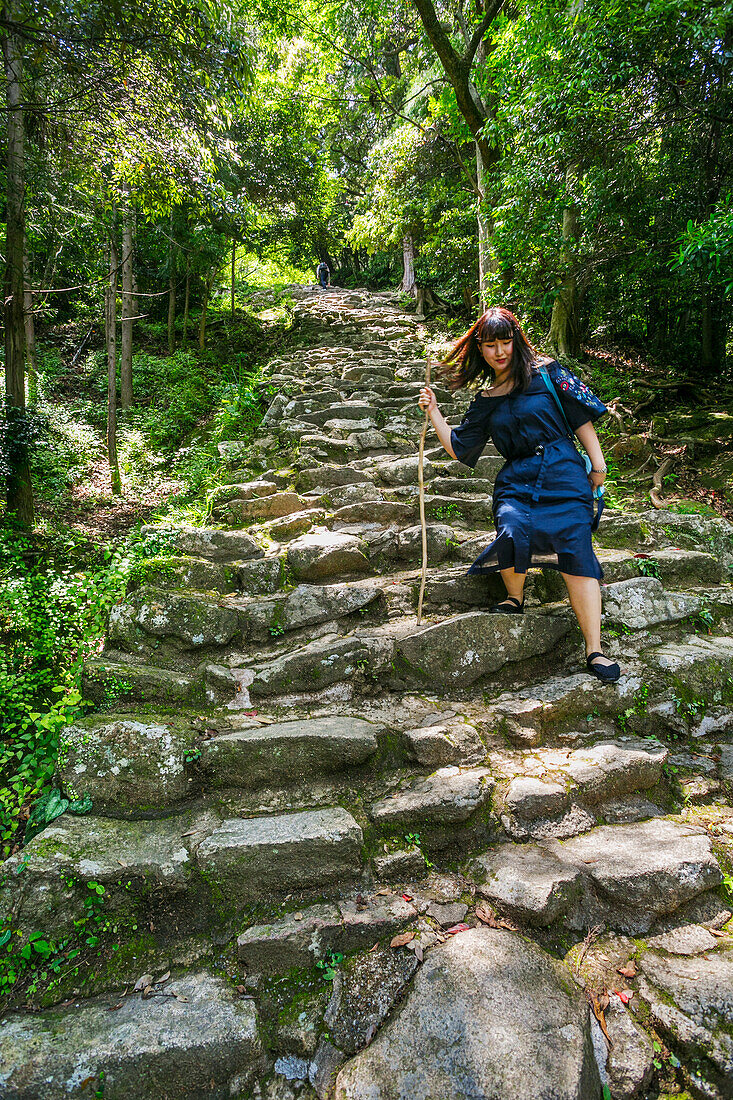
137,766
322,553
300,939
111,680
450,807
561,793
201,869
178,571
460,650
209,542
200,1040
323,663
287,751
625,876
261,508
307,604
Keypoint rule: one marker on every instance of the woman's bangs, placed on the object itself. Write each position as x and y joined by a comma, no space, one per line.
495,328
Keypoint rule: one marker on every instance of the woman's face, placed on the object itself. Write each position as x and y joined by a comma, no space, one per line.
498,353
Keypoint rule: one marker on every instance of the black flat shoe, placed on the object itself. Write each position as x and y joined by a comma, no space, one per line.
502,609
607,674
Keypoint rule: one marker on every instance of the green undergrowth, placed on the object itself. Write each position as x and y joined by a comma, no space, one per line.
55,598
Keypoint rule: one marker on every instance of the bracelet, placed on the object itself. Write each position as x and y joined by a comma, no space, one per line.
603,470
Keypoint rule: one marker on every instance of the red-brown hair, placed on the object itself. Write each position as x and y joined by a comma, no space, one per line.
465,363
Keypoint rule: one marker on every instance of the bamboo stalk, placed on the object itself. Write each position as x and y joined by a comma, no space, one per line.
421,488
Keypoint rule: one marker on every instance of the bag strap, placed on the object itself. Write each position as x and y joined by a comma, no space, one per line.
553,393
597,493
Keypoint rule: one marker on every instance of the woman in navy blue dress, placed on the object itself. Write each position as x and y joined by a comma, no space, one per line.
543,495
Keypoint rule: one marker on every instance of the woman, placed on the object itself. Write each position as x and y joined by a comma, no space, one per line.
543,495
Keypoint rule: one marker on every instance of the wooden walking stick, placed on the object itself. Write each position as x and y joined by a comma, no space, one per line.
421,487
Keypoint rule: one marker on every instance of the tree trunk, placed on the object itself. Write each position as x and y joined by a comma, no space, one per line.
713,330
485,265
564,324
408,264
171,293
234,259
30,331
19,490
128,310
187,299
204,306
110,339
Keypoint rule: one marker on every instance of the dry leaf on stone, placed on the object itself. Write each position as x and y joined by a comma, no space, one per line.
179,996
407,897
147,993
371,1032
402,939
163,978
379,893
717,932
486,915
297,916
376,945
624,995
628,971
604,1001
189,833
143,983
419,953
113,1008
457,928
600,1017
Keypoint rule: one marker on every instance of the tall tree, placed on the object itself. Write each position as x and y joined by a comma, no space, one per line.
19,490
475,109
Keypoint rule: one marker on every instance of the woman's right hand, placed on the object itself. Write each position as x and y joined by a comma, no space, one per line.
427,400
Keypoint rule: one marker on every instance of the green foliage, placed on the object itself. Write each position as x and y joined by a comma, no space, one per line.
51,617
329,964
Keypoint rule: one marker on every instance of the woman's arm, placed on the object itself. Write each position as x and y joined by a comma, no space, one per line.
586,433
428,402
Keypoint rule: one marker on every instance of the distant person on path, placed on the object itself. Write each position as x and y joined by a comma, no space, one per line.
530,406
323,274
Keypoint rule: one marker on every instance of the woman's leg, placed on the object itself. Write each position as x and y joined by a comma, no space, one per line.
514,583
585,600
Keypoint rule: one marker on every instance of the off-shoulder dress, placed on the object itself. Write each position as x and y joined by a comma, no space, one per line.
543,501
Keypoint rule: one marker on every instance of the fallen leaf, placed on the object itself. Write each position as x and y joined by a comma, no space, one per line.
371,1032
376,945
143,983
407,897
402,939
163,978
113,1008
604,1001
361,903
241,990
457,928
180,997
717,932
297,916
250,713
381,892
486,915
628,971
419,953
624,995
189,833
148,992
598,1013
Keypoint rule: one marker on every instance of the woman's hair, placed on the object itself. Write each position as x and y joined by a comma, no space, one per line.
464,362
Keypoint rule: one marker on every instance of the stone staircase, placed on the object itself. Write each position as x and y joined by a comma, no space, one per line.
285,768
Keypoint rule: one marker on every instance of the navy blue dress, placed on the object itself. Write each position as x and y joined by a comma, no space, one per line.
543,501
